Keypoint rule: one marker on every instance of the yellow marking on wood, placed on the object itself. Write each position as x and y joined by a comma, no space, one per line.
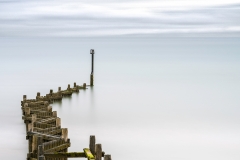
88,153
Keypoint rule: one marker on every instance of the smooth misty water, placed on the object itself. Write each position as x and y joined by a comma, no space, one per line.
154,98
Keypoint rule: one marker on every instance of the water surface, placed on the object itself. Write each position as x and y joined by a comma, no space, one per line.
153,98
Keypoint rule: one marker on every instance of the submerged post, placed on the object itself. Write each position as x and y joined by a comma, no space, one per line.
91,76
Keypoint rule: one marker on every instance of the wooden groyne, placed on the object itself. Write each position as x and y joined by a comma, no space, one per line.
46,139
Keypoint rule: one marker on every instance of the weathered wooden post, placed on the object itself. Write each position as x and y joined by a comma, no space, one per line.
58,122
27,111
92,143
41,158
65,134
30,140
91,75
24,97
49,108
34,143
107,157
46,103
68,87
33,139
98,150
25,105
40,152
38,95
74,85
84,85
54,113
34,119
39,146
29,127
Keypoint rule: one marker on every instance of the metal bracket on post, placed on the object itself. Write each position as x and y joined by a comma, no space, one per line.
91,75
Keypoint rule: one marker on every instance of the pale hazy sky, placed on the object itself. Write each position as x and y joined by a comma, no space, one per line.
92,18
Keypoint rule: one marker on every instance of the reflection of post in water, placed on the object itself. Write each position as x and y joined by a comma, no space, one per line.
59,103
91,75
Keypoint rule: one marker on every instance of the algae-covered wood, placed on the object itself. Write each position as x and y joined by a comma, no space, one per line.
65,155
88,154
58,148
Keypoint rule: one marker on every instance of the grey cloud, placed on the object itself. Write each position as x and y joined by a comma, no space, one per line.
216,14
25,21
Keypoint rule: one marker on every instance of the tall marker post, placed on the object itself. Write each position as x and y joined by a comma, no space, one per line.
91,75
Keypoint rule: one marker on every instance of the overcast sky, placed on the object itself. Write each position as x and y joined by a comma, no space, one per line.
70,18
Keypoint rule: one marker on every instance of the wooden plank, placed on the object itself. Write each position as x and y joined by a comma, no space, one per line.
82,87
58,148
46,130
35,103
43,125
29,119
40,115
37,110
54,132
48,120
65,155
66,93
28,101
44,136
88,153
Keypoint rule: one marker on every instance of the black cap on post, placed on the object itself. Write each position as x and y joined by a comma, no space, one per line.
91,76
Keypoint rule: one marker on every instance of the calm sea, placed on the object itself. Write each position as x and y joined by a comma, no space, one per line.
163,98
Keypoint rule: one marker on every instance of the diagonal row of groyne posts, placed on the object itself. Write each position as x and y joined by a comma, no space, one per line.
46,139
